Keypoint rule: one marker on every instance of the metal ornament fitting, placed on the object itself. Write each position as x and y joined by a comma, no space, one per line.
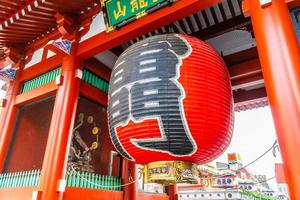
170,172
265,3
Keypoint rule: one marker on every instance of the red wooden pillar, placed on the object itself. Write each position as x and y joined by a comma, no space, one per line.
280,61
129,175
7,118
173,192
60,132
133,187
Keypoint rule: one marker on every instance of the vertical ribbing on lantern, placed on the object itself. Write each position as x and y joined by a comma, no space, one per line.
170,98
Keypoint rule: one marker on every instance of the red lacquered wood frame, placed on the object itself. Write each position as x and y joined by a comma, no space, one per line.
98,68
105,41
36,94
21,193
73,193
93,93
40,68
145,196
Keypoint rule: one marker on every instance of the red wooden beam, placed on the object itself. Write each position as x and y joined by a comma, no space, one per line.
98,68
244,96
245,100
93,93
73,193
246,74
104,41
17,193
36,94
241,56
40,68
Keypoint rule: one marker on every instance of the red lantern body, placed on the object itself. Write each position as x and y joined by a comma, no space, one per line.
170,99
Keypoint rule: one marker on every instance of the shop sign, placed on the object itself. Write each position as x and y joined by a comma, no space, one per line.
224,182
118,13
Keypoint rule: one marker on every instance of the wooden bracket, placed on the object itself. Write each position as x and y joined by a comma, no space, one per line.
87,19
12,55
66,25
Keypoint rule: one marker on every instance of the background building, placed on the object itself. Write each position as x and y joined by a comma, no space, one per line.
223,182
282,187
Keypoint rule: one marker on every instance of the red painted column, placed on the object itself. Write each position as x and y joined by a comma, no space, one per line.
173,192
57,149
133,187
7,118
280,61
129,175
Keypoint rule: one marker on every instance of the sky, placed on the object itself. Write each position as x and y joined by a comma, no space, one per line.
253,134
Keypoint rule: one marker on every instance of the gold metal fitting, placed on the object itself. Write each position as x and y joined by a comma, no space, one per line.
170,172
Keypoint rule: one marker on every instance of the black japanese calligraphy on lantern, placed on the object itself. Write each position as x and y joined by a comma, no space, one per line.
144,85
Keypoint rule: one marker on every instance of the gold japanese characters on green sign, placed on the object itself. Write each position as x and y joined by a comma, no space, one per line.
118,13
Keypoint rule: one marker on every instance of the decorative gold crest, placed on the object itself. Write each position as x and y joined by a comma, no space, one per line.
95,130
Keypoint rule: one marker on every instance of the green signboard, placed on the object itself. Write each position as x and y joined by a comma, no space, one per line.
118,13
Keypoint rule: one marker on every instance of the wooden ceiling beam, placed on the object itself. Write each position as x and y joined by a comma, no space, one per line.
53,6
11,3
53,35
4,14
16,35
77,6
9,6
246,68
223,27
46,9
246,74
244,96
90,13
98,68
37,22
241,56
40,12
31,26
18,28
36,16
9,42
9,31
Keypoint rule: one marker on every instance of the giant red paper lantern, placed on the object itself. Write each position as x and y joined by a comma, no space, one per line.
170,99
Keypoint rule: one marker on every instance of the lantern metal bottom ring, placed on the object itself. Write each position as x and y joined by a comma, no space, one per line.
170,172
